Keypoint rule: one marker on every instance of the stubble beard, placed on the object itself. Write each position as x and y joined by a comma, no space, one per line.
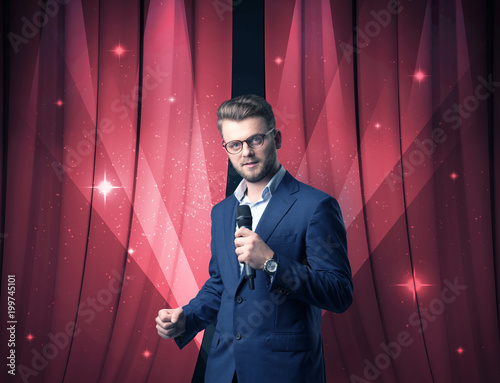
257,177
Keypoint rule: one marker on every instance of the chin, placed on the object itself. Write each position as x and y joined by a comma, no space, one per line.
250,177
253,179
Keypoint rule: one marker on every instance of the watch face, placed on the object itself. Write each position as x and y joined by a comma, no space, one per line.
271,266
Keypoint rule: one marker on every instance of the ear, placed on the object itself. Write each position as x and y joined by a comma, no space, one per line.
277,139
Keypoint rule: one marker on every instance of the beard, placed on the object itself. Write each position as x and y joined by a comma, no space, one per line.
256,176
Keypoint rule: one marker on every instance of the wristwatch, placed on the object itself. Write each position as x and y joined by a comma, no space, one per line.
271,265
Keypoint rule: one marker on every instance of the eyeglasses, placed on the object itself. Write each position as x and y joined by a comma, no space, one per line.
253,142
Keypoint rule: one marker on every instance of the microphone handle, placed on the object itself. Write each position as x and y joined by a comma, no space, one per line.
249,272
249,276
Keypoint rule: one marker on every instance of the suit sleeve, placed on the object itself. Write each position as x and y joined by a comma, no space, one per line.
202,310
324,278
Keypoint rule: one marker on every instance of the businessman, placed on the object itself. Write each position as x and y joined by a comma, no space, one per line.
297,246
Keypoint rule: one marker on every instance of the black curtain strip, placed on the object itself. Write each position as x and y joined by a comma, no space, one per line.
248,76
248,67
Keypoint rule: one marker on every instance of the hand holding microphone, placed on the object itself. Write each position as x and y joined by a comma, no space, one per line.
244,219
250,248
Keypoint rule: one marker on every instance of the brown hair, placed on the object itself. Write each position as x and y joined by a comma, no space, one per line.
246,106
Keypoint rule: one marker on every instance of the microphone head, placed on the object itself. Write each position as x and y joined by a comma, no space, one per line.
244,216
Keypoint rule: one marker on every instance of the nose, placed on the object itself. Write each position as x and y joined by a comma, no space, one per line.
246,151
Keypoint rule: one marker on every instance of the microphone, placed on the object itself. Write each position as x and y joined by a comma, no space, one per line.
244,219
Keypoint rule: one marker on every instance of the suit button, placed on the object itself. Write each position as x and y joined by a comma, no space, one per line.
285,291
238,336
239,299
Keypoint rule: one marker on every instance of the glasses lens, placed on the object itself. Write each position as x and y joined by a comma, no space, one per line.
233,146
255,141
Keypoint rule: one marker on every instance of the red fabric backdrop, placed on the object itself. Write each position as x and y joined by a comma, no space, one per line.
112,161
399,129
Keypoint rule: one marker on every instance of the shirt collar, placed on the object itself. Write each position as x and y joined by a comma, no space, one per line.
268,191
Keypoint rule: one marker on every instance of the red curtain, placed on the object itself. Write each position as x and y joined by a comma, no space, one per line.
114,162
390,109
111,163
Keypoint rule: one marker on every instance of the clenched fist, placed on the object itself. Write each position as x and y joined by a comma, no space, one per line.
170,322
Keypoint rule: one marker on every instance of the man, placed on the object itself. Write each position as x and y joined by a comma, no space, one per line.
298,249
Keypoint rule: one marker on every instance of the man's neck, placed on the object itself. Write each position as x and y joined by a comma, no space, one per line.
254,193
255,189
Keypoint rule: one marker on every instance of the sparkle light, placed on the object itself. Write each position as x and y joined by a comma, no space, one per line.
171,99
414,285
278,60
419,75
30,337
146,354
59,103
377,125
119,50
131,251
453,176
460,350
105,187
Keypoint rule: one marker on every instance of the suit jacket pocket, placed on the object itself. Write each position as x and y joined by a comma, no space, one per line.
282,239
283,342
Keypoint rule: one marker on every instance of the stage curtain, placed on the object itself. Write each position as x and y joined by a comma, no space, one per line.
393,111
112,161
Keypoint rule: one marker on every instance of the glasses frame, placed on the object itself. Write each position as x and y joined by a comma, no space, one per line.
263,135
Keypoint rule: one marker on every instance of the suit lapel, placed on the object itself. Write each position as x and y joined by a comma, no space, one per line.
280,203
229,228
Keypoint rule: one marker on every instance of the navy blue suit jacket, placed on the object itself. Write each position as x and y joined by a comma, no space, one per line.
273,333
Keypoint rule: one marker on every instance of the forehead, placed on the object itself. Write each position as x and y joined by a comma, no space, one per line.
241,130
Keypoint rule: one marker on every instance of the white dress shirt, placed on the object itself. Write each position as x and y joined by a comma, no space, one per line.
258,207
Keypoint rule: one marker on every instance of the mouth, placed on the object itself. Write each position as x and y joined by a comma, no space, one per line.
250,165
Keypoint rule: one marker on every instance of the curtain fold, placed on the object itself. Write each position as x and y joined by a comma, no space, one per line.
396,123
114,162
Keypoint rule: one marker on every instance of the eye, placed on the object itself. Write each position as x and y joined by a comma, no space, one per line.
255,140
233,145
